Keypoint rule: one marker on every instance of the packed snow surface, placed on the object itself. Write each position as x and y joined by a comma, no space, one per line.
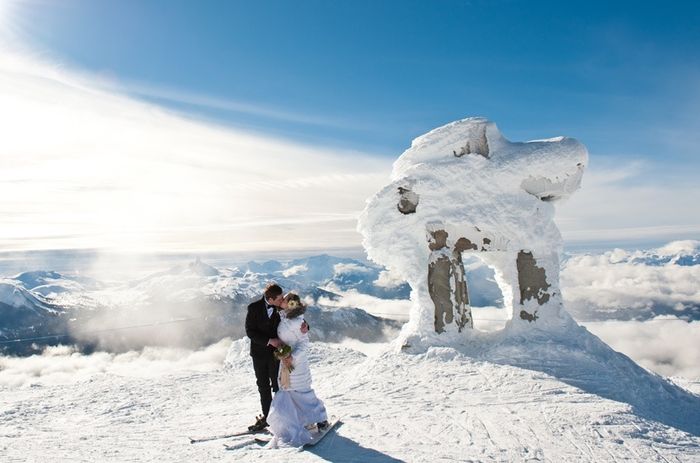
495,400
491,397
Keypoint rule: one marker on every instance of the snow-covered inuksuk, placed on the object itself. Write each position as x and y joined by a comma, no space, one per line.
463,188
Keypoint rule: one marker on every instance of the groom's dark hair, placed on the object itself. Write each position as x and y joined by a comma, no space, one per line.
272,290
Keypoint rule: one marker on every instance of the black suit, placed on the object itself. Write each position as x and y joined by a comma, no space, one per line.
260,329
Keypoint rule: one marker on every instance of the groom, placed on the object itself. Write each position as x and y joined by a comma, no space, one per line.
261,327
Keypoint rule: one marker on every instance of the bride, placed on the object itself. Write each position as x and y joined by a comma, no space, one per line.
295,408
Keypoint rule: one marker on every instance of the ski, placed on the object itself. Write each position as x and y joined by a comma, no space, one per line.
242,444
318,435
195,440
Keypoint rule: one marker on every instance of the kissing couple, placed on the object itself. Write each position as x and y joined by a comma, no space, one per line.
279,343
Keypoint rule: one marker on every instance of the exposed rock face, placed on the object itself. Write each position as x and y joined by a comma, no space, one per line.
447,284
479,193
408,201
531,279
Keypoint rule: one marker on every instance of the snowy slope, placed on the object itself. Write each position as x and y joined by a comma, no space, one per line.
500,401
684,253
23,311
16,296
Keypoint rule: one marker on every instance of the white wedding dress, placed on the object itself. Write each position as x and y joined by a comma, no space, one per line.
297,406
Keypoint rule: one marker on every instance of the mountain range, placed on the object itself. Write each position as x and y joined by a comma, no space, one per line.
187,305
193,304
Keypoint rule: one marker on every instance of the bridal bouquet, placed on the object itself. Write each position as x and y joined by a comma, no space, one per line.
282,352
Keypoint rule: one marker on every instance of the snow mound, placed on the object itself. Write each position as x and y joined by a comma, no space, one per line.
465,189
238,355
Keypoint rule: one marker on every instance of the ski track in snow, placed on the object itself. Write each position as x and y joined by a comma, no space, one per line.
440,406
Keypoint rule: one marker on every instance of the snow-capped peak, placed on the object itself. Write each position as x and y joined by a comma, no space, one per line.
200,268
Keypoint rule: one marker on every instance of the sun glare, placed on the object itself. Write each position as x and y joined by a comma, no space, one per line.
9,10
6,9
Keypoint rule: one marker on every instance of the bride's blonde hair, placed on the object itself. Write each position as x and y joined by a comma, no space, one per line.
294,305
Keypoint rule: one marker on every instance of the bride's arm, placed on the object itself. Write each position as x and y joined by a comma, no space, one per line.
302,335
294,332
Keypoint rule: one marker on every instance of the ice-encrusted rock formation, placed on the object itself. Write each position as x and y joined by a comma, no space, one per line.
464,188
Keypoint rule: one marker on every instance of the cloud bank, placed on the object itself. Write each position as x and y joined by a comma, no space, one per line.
645,304
636,285
63,365
666,346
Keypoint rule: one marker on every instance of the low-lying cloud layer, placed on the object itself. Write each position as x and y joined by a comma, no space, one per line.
634,285
645,304
666,346
62,364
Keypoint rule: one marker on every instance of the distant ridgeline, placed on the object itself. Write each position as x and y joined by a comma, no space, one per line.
189,306
196,304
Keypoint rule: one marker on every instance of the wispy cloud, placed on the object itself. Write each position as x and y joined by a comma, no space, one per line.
165,93
629,201
88,168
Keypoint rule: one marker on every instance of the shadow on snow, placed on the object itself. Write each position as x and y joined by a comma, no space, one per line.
582,360
339,449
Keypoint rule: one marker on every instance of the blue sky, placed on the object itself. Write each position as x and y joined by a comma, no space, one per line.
368,76
381,72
